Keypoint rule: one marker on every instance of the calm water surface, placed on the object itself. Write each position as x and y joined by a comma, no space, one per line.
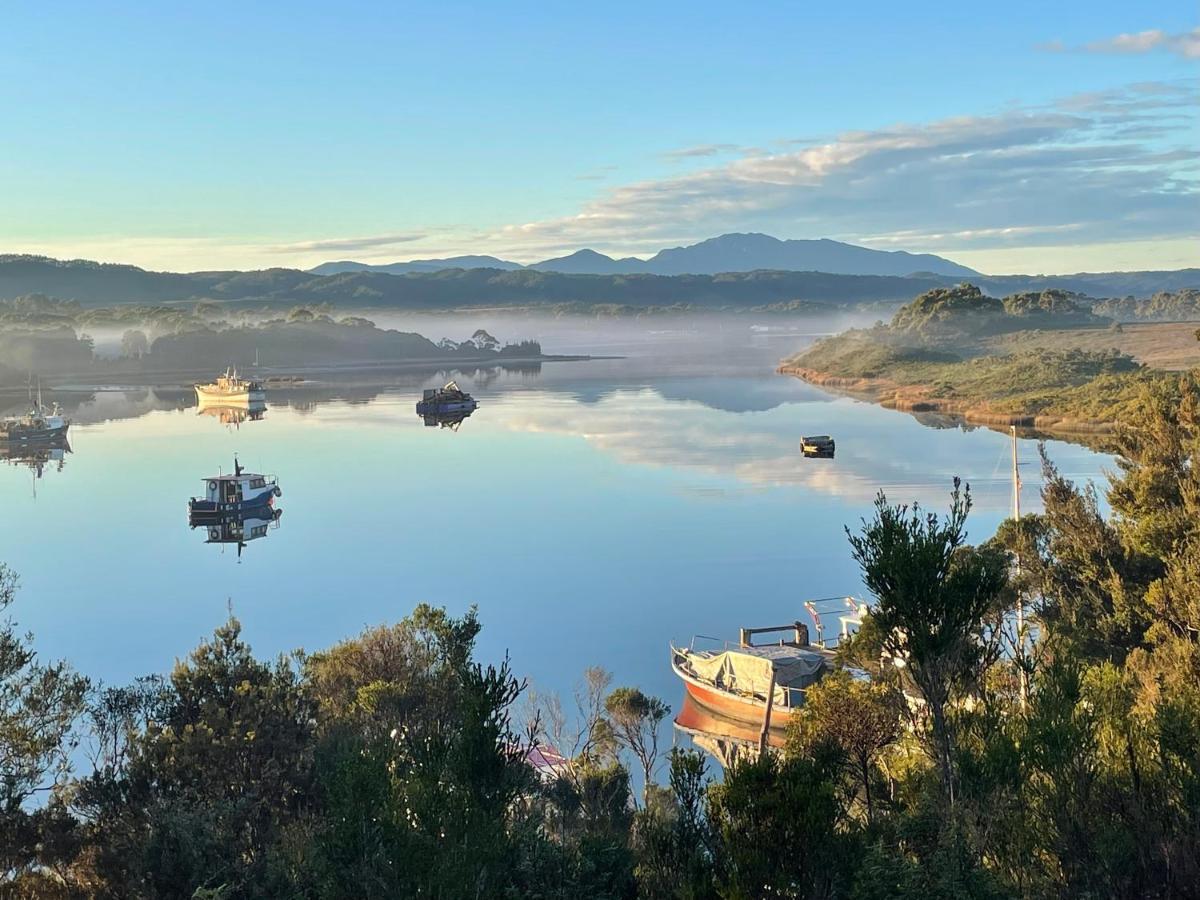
593,511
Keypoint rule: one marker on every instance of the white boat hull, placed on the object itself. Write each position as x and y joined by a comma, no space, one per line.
212,397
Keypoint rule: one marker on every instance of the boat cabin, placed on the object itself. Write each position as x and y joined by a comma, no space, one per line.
236,488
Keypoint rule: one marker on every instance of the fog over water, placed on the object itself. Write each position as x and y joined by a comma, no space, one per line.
593,511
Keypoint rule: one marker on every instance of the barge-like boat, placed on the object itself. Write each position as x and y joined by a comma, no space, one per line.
819,445
445,401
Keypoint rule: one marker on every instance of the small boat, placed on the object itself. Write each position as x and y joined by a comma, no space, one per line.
445,400
35,427
228,496
760,686
230,389
817,445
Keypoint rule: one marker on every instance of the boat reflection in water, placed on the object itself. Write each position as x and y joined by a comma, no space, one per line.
237,508
232,415
447,420
239,528
725,740
37,457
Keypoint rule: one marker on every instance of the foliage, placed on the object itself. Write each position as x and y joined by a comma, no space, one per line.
1176,306
38,707
936,601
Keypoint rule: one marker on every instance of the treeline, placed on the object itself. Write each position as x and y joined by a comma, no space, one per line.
94,284
1174,306
964,311
41,335
1060,761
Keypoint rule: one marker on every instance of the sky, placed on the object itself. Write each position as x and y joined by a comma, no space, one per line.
1014,137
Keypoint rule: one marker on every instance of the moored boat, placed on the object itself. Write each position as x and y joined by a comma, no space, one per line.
35,427
231,389
761,686
445,400
817,445
232,495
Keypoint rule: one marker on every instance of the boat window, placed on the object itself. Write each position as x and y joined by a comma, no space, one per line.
257,483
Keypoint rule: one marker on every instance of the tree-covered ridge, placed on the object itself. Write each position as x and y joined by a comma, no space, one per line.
93,284
965,310
1058,762
1178,306
45,336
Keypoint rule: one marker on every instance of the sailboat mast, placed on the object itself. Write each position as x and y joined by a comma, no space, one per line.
1016,511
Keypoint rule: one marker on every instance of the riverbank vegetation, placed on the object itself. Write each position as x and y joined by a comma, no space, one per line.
1042,360
1061,762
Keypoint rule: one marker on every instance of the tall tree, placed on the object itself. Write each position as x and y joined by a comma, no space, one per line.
634,719
935,596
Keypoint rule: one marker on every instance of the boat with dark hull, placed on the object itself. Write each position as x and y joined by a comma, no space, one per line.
820,446
35,427
230,496
446,401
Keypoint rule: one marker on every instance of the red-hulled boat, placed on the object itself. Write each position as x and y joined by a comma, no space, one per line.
760,685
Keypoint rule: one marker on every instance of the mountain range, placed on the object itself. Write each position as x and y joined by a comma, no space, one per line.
105,284
726,253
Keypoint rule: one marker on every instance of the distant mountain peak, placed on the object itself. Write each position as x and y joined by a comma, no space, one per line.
732,252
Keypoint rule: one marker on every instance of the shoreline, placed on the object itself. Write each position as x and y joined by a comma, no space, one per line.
915,399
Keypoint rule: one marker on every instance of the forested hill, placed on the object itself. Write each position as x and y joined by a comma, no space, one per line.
97,284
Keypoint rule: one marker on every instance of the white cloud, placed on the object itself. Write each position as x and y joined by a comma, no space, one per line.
347,244
1101,166
1107,168
1186,44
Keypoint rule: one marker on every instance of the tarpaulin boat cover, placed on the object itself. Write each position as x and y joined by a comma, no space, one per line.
747,670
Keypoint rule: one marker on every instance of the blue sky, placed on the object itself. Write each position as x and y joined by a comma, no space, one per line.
1013,137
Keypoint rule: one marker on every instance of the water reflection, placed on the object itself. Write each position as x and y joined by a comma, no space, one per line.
37,457
448,420
233,416
725,740
240,529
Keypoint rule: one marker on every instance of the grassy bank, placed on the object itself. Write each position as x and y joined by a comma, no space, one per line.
1064,380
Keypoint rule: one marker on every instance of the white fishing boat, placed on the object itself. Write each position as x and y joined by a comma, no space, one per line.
231,390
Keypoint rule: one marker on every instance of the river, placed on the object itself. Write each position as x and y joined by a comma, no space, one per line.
592,511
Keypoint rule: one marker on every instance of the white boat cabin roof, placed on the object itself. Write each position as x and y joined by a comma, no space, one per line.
244,476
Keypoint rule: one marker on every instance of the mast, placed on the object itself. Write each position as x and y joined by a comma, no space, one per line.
1016,512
